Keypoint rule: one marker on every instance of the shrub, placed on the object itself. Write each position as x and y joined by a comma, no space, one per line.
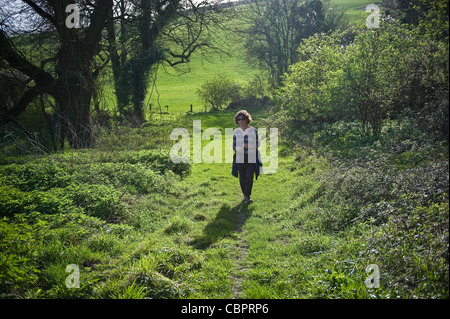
97,200
412,246
380,74
14,201
219,91
41,175
313,90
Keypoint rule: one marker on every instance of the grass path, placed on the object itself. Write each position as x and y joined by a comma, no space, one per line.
243,236
250,248
242,250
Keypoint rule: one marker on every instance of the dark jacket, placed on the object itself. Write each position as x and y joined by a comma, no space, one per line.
234,168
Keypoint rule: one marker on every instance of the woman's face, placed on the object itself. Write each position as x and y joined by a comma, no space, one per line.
242,120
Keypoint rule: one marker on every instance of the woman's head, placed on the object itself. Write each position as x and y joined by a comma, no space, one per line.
244,116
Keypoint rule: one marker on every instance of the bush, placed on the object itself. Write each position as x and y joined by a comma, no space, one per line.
97,200
412,246
312,89
42,175
379,74
399,187
14,201
219,91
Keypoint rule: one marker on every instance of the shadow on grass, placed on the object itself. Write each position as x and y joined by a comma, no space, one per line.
227,221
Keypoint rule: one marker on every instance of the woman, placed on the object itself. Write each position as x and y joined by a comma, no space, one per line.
246,159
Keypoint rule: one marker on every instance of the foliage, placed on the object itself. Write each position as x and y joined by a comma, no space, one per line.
395,189
341,198
367,74
70,200
133,84
17,261
431,16
256,87
219,91
276,27
313,88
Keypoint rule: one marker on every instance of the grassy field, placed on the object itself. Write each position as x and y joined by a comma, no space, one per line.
355,9
178,90
138,226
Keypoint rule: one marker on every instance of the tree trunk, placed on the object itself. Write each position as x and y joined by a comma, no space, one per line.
74,84
76,78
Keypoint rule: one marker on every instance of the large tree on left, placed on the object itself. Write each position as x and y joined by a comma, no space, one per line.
71,81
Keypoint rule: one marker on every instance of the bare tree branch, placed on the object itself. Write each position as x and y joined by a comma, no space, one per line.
41,12
93,32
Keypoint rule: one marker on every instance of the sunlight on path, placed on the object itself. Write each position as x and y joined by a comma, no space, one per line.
253,224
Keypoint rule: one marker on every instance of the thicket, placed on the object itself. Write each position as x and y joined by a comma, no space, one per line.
371,75
389,193
220,92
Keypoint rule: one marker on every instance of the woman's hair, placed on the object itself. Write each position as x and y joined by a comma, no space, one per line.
243,113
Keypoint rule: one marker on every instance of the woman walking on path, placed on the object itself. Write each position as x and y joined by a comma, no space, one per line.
246,159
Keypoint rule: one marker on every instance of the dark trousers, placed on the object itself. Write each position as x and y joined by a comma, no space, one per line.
246,172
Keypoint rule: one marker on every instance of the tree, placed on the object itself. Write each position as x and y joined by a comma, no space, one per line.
69,73
391,72
65,61
278,26
160,31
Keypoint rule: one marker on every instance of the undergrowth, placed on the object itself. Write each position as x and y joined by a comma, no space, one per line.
139,226
389,195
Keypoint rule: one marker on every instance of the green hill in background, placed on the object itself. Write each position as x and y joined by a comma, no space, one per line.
176,88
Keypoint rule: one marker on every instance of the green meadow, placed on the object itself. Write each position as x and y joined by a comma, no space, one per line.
355,9
139,226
